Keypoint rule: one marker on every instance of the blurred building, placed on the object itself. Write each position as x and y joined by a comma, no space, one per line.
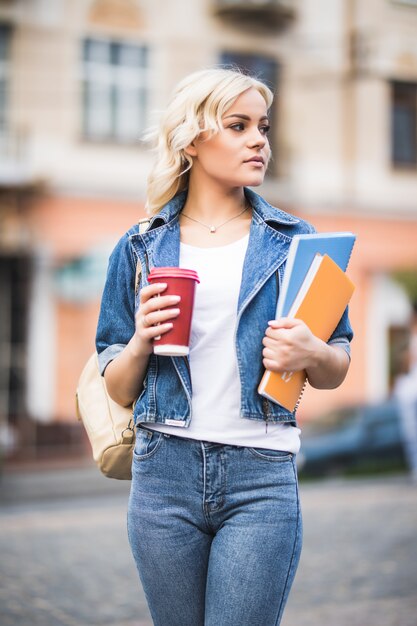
80,80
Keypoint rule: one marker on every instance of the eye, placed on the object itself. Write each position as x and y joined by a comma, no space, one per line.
239,126
265,129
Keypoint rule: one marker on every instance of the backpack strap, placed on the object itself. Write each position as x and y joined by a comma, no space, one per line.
143,226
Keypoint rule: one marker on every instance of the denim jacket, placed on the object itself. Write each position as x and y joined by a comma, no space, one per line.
167,388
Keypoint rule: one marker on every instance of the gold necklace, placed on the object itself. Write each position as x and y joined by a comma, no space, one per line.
213,229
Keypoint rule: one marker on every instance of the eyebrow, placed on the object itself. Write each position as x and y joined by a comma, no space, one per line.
245,117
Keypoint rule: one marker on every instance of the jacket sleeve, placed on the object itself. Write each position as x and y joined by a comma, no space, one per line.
116,323
343,334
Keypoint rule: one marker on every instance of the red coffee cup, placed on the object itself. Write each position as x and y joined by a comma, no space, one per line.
180,282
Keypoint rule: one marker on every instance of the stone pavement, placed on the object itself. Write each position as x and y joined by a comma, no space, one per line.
65,559
359,562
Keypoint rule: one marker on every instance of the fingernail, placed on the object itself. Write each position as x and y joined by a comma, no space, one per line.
162,285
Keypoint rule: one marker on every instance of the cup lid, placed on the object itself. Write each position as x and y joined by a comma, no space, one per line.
159,273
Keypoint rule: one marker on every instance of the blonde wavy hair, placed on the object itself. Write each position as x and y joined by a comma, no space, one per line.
197,105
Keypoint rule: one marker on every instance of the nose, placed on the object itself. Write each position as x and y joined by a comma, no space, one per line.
256,139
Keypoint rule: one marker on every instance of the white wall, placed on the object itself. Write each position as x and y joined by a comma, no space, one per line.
388,306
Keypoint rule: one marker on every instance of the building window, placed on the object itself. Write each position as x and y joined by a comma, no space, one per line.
267,70
14,279
114,90
4,73
403,123
412,3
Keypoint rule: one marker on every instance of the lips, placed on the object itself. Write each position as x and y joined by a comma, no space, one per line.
256,159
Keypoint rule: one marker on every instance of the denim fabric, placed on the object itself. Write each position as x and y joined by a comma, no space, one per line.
215,530
167,390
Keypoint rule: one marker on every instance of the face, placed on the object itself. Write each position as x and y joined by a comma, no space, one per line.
237,155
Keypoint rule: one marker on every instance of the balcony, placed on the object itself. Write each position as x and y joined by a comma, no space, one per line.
256,14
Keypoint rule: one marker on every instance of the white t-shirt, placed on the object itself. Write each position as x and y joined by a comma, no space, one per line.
214,371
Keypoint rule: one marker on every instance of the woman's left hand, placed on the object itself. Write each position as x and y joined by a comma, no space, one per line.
289,346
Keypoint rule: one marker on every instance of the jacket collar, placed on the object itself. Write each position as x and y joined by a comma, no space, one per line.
268,247
268,213
265,212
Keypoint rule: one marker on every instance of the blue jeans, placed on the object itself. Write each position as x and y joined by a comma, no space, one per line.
215,530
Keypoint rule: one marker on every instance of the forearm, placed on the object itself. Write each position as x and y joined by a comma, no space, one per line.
329,366
124,375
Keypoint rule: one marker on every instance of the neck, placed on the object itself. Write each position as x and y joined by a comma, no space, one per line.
213,204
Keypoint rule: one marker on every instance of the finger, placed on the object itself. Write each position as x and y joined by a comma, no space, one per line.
159,317
267,353
151,290
155,331
276,334
270,342
284,322
271,365
159,302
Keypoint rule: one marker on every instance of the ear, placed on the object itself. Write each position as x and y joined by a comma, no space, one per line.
191,150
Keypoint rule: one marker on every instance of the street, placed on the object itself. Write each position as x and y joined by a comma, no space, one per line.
66,560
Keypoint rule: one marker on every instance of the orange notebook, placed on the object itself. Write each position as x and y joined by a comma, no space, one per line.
320,303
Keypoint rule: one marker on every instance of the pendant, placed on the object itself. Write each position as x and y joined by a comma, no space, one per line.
212,229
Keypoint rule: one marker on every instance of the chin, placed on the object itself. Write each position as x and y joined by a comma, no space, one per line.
245,181
255,181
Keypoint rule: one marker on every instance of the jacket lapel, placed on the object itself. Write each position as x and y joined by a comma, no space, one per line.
267,250
163,246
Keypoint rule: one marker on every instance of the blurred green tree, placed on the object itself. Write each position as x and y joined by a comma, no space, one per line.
407,278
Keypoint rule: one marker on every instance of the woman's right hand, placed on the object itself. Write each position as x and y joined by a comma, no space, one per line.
152,316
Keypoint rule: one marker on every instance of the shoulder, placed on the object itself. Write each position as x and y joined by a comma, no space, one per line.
283,221
304,227
123,250
136,229
125,247
277,218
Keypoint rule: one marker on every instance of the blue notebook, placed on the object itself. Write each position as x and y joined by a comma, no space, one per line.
302,251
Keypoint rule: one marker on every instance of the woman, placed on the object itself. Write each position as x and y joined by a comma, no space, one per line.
214,520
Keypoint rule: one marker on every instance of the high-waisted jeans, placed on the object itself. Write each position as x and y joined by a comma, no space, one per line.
215,530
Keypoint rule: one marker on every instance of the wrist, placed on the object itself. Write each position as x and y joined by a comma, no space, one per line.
138,348
319,355
331,364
